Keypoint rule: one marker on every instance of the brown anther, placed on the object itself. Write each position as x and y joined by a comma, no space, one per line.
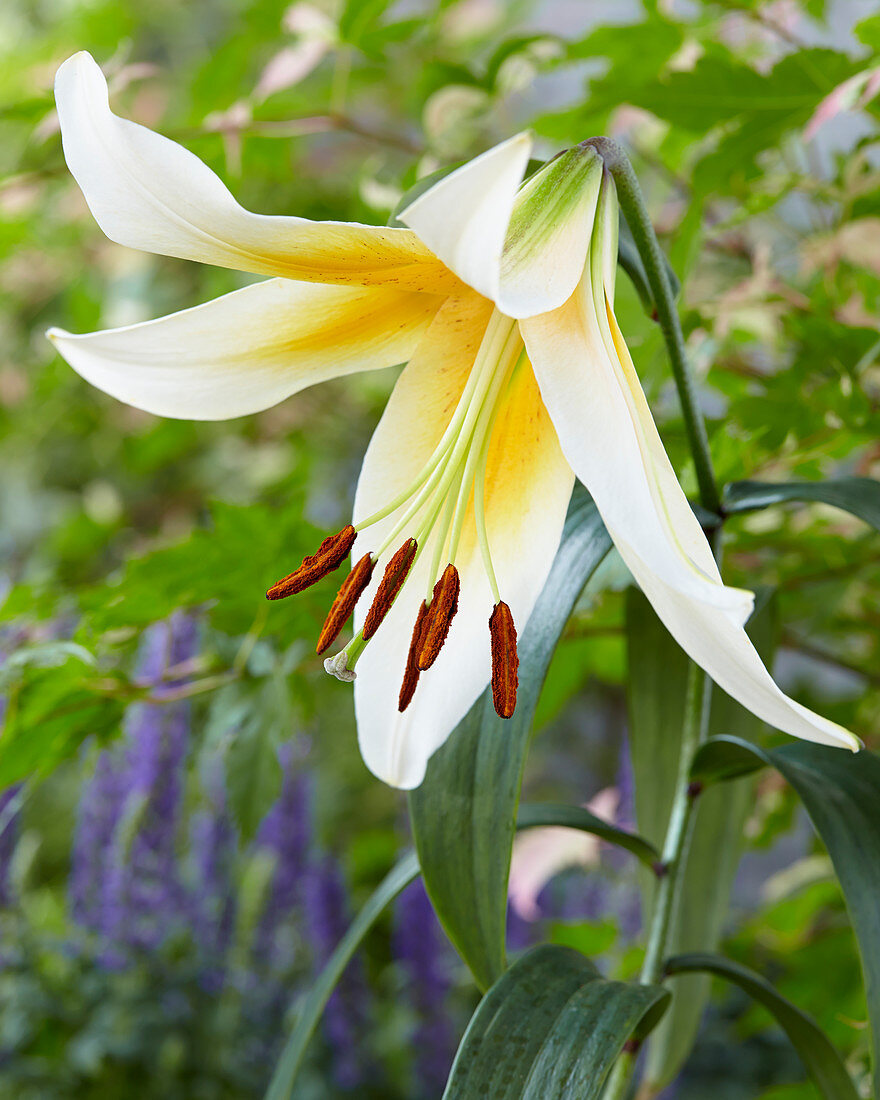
342,607
392,581
411,672
444,604
505,663
329,556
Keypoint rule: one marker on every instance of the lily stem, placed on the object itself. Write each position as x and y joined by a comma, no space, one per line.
673,858
676,844
678,830
633,206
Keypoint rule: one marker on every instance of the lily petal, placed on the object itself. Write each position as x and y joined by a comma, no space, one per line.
522,246
250,349
528,485
464,217
548,237
594,397
150,193
725,651
605,427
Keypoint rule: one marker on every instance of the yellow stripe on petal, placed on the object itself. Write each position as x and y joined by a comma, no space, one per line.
250,349
528,480
528,486
150,193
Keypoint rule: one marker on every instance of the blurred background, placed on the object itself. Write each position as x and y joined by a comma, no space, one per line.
185,822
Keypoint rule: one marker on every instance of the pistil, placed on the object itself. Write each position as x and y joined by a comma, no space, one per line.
432,508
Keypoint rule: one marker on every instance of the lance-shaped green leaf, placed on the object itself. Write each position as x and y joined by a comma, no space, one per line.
552,1026
576,817
464,813
857,495
841,791
284,1077
656,689
817,1052
397,879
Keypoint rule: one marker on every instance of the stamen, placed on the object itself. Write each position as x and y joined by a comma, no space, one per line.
505,662
329,556
441,612
392,581
411,672
342,607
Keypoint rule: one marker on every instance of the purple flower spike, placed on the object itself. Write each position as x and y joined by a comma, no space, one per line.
213,846
8,837
285,832
125,852
422,950
328,918
98,813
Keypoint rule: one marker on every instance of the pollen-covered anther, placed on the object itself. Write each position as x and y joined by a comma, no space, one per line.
411,672
505,662
342,607
329,556
444,604
392,581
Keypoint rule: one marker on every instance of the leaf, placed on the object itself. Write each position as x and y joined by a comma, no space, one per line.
536,814
656,693
397,879
44,655
228,563
52,706
288,1066
551,1027
816,1050
858,495
463,815
840,792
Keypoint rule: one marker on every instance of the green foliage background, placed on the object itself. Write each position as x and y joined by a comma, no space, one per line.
110,519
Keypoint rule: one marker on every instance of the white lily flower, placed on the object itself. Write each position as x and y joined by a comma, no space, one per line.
499,298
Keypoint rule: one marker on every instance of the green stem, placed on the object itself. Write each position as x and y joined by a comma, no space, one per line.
678,830
673,858
633,206
699,687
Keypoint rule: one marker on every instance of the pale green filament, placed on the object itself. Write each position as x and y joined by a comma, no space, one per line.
477,375
480,520
512,352
442,489
498,334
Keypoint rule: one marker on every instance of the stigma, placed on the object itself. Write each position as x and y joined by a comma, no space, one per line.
447,494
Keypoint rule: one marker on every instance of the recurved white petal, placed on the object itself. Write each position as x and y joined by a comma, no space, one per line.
250,349
463,218
150,193
606,431
593,395
724,650
527,490
522,246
